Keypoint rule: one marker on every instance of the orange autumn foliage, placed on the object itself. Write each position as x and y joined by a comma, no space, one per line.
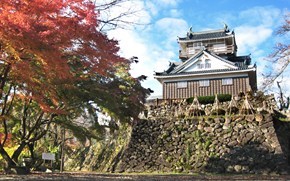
37,39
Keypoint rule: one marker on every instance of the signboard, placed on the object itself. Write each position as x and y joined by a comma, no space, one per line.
48,156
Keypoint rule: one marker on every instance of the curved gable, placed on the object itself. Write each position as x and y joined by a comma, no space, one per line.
204,61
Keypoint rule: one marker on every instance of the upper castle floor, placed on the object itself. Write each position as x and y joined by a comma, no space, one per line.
221,42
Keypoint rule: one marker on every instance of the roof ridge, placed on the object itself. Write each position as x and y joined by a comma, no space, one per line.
182,65
208,31
202,51
220,58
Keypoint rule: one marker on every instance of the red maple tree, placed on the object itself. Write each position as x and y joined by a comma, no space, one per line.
37,36
50,45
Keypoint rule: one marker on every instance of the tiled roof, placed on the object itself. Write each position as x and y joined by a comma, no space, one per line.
206,35
241,62
201,72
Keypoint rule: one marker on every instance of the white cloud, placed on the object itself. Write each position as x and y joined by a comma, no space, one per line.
171,28
175,13
265,16
166,3
151,8
148,53
256,26
165,7
250,37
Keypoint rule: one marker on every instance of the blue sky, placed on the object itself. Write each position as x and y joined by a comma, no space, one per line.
254,23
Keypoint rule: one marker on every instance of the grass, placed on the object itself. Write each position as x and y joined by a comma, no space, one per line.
284,119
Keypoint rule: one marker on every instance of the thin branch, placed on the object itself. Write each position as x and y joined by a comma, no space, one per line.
108,23
12,100
108,5
3,116
24,117
4,78
5,100
52,116
36,125
281,55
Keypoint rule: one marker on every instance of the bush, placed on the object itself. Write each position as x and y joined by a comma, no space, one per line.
210,99
206,99
224,97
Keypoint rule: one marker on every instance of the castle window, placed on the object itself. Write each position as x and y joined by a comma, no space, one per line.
207,65
200,66
219,47
204,65
182,84
198,44
227,81
204,83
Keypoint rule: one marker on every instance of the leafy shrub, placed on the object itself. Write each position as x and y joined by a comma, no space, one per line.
189,100
206,99
224,97
210,99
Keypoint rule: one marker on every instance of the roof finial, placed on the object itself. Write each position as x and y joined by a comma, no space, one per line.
189,33
225,27
233,31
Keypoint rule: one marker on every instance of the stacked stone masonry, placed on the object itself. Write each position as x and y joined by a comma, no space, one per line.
246,142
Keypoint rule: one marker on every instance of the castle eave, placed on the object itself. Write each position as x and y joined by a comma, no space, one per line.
203,73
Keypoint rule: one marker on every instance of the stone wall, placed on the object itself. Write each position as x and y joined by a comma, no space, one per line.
239,143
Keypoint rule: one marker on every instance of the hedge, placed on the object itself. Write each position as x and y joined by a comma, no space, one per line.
210,99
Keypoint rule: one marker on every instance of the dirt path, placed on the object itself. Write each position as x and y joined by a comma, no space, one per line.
122,177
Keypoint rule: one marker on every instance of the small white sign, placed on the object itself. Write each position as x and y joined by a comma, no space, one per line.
48,156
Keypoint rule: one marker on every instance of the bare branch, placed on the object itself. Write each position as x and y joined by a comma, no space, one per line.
280,56
285,27
118,14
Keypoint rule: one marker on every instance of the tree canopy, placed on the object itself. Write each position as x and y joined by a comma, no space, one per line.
38,39
55,61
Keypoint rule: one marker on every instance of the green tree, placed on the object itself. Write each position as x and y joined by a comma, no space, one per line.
54,64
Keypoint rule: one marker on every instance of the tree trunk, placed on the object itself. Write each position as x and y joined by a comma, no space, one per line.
31,149
18,151
10,163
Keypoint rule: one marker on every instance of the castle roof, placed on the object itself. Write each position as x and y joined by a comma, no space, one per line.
231,64
205,72
204,35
